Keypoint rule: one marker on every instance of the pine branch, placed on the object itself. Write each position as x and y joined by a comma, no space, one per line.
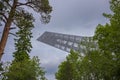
2,14
24,4
13,34
9,4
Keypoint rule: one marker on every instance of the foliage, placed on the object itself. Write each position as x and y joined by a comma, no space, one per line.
67,69
108,37
40,6
14,12
22,43
22,67
24,70
101,60
4,69
1,70
93,65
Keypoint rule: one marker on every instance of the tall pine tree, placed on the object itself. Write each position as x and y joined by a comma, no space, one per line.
22,67
12,10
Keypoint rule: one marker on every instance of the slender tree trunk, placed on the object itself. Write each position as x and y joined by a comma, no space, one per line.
7,29
4,37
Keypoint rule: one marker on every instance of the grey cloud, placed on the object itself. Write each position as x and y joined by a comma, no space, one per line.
77,17
77,11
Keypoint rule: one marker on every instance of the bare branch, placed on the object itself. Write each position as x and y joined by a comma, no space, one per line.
4,21
2,14
22,4
30,6
12,28
13,34
8,4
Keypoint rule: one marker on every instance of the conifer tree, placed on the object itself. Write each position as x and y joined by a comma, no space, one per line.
22,67
12,10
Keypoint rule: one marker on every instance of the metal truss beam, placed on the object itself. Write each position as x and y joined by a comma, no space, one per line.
64,42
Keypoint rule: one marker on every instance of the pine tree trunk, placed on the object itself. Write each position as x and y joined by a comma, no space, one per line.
4,38
7,29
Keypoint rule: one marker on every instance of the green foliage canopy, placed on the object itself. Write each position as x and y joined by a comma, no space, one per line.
22,67
14,12
100,61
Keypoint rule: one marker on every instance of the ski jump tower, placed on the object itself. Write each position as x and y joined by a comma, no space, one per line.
64,42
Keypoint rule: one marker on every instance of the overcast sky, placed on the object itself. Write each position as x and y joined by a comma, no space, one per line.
75,17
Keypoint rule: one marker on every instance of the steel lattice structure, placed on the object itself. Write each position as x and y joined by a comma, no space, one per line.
64,42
